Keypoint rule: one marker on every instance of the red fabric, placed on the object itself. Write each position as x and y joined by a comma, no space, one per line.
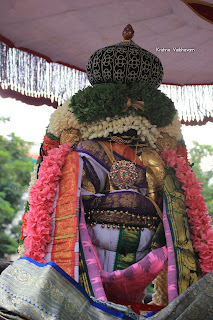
38,54
132,281
8,93
203,10
197,123
23,227
139,307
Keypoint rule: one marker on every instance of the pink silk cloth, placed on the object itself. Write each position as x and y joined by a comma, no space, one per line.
128,284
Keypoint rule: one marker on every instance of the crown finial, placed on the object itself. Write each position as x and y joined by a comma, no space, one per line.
128,32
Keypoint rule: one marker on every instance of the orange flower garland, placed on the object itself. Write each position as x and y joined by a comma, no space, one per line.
48,144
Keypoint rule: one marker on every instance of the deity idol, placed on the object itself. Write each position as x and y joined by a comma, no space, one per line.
113,199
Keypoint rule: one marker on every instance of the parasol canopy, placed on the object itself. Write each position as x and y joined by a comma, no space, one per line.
45,46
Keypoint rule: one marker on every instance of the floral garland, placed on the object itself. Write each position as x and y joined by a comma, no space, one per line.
200,222
145,130
173,129
101,100
42,194
48,144
63,118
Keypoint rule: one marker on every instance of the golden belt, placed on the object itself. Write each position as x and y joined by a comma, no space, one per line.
121,219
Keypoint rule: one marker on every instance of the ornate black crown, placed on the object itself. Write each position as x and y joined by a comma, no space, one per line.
124,62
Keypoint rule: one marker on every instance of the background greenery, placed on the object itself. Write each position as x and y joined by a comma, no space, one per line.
15,168
197,154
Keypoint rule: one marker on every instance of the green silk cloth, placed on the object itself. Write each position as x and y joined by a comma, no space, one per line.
128,241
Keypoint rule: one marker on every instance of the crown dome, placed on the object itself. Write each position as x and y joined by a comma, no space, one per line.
124,62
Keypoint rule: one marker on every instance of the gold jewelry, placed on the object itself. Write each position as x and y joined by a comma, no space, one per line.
121,140
118,218
123,173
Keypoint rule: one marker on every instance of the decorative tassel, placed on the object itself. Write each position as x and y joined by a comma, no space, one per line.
193,102
33,76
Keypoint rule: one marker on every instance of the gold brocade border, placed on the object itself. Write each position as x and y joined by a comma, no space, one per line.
71,235
66,216
83,274
186,261
63,218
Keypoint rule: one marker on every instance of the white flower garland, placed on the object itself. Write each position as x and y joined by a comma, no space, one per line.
145,130
21,250
173,129
63,118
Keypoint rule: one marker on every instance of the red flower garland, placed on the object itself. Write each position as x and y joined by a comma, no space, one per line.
42,194
200,222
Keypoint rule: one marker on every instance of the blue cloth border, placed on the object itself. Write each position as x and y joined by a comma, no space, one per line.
97,305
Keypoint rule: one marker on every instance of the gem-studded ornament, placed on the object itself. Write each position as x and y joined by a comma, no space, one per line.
128,32
123,174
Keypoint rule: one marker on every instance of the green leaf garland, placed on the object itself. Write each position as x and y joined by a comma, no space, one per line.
51,136
109,99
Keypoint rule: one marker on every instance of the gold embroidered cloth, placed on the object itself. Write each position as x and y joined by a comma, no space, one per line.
186,262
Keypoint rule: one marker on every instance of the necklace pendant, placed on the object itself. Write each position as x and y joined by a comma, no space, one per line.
123,174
